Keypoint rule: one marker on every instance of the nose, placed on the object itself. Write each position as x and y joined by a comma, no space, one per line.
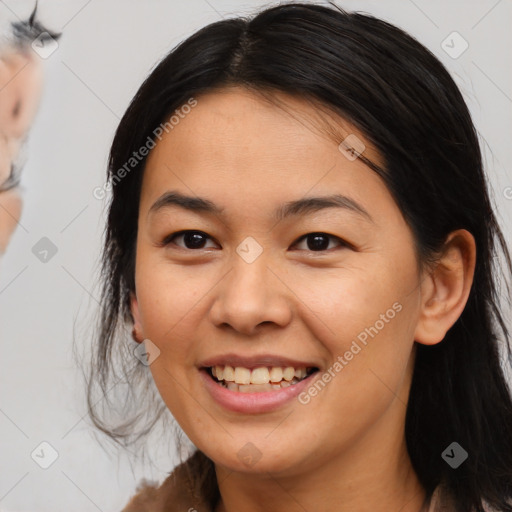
249,296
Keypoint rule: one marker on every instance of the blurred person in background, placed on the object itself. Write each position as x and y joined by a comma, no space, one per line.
21,79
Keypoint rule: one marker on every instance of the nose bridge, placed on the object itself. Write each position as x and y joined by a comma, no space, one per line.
249,295
253,275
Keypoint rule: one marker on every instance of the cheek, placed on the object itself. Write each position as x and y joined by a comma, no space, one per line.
171,300
369,341
342,303
366,317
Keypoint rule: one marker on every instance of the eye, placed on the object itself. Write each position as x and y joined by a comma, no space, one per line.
194,239
12,181
319,242
191,239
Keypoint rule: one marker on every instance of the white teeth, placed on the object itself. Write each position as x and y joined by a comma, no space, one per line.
300,373
242,375
288,373
259,379
260,376
255,388
229,374
276,374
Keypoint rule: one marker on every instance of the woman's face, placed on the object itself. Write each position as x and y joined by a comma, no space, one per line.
20,90
252,288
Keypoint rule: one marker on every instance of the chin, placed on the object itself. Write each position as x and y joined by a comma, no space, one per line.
257,459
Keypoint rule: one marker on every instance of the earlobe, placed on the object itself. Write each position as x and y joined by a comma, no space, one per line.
137,333
445,287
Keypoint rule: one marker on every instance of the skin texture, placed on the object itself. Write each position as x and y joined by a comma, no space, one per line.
20,90
345,450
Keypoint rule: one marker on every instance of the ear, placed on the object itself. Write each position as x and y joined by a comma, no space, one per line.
445,287
137,333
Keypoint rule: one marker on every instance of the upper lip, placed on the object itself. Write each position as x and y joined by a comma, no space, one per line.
255,361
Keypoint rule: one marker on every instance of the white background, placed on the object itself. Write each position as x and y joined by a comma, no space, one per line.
106,50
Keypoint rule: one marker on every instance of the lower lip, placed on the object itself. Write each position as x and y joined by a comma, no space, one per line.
253,403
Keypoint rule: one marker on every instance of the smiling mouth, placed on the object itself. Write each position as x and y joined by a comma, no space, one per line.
258,380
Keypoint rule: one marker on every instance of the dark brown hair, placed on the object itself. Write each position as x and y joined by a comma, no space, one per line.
404,101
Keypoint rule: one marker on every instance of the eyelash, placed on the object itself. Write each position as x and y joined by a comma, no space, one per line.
170,238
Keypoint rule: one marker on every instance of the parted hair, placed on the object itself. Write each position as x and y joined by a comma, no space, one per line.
404,101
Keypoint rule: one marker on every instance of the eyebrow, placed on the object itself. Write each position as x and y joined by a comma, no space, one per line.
302,206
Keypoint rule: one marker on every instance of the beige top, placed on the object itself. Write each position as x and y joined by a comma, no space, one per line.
177,494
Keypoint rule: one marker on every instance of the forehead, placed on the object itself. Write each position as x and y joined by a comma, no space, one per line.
237,118
237,144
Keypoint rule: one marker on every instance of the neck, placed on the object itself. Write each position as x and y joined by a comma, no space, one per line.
378,489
